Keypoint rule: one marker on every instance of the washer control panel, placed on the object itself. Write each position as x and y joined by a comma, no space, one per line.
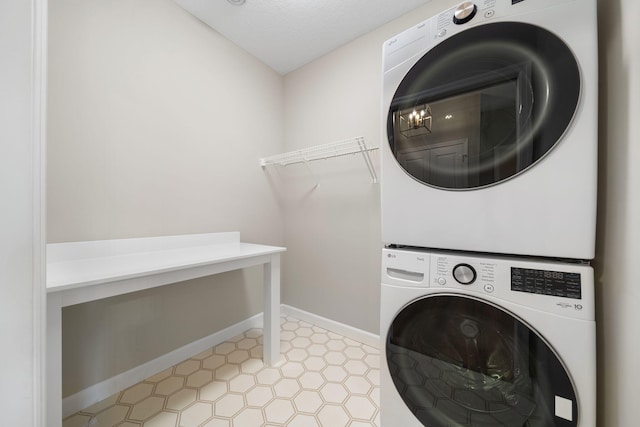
546,282
561,288
460,272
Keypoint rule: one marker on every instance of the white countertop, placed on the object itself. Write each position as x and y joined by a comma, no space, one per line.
81,264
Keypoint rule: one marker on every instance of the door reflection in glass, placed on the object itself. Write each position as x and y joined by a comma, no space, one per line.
472,140
498,98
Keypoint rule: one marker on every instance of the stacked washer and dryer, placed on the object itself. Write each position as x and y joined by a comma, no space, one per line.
488,217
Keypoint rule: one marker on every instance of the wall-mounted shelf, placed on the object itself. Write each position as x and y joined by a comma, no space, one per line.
355,145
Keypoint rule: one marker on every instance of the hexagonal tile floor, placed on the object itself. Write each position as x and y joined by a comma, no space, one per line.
324,380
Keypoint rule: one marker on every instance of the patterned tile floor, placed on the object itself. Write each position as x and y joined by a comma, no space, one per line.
323,380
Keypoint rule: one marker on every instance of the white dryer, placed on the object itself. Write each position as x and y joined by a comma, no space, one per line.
490,129
486,342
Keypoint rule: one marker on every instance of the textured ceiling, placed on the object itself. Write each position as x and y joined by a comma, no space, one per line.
286,34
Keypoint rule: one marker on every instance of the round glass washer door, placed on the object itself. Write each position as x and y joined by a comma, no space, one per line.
460,361
483,106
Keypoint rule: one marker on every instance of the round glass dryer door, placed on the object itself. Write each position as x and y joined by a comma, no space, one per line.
483,106
459,361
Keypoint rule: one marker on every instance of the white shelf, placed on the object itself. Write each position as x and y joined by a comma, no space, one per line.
355,145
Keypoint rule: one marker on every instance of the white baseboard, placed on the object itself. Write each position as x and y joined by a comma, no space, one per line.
108,387
356,334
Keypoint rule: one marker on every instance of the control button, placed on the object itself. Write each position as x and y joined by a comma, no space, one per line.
442,33
488,288
464,13
489,13
464,274
442,281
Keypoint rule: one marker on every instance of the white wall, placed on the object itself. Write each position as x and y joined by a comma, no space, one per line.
156,127
618,246
21,244
332,267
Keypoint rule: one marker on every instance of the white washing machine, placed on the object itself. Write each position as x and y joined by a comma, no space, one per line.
490,130
486,341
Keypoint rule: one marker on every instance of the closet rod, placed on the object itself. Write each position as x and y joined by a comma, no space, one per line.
325,151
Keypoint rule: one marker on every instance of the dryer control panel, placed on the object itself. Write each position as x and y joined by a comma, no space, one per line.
432,31
561,288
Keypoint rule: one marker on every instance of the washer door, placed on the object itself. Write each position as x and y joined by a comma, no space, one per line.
460,361
483,106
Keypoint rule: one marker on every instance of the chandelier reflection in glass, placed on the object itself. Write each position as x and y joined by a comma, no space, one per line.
415,121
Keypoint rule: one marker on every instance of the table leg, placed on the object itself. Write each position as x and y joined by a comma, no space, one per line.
54,361
271,325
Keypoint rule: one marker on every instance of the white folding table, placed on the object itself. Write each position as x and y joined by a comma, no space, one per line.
80,272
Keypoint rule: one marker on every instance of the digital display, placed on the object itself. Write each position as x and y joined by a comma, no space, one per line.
545,282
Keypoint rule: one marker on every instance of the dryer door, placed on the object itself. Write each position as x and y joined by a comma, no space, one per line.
483,106
460,361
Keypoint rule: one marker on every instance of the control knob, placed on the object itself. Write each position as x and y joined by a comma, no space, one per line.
464,13
464,274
